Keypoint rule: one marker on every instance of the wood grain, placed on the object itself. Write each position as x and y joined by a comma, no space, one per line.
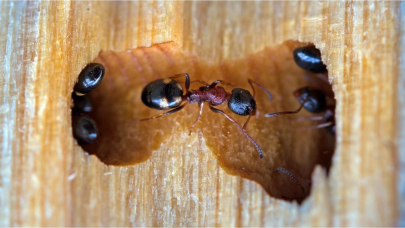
47,180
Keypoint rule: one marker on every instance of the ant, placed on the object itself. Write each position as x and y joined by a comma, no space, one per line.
166,93
314,101
84,128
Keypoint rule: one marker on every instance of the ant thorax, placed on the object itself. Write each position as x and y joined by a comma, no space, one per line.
214,96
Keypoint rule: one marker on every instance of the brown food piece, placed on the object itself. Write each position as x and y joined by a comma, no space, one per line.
122,141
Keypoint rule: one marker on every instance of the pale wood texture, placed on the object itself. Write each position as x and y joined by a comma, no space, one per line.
47,180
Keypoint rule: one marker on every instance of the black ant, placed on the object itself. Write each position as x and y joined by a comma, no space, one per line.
166,93
84,128
314,101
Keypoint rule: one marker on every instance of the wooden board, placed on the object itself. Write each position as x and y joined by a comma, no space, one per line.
47,180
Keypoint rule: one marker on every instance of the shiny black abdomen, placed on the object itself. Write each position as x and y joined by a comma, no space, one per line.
316,102
309,58
84,129
242,102
89,78
162,94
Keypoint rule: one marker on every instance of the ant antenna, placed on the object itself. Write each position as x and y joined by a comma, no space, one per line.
242,129
287,112
291,176
159,115
251,82
198,118
319,126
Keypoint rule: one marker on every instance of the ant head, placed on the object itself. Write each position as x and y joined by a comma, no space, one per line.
315,99
242,102
162,94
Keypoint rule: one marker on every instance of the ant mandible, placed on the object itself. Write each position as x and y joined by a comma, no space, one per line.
167,93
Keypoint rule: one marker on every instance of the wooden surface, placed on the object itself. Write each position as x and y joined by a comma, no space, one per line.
47,180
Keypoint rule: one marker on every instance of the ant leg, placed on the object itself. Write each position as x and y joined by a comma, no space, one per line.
286,112
240,128
291,176
247,121
312,118
322,77
288,198
319,126
161,114
220,81
200,81
251,82
187,83
198,118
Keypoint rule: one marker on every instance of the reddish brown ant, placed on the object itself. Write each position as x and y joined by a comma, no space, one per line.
166,93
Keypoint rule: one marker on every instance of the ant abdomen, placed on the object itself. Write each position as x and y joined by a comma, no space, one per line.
162,94
89,78
242,102
309,58
84,129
